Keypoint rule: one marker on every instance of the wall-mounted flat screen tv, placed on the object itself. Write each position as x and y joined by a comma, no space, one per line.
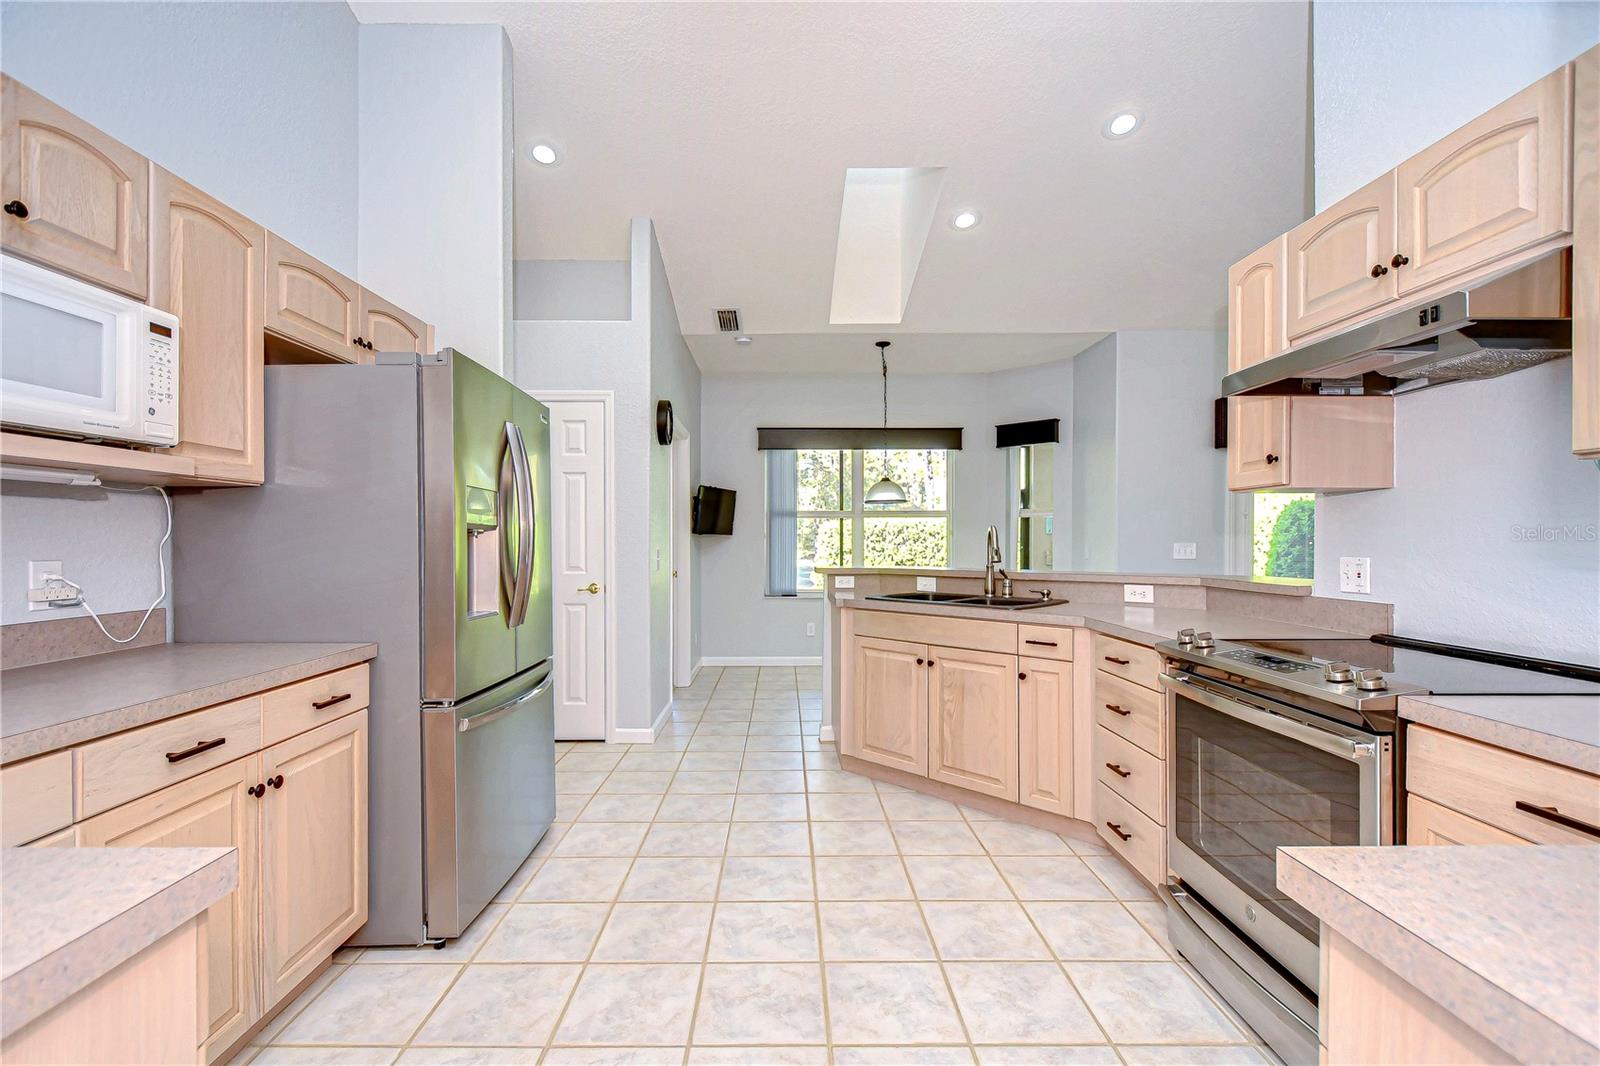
713,510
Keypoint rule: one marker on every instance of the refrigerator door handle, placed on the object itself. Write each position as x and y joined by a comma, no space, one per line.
467,725
507,489
523,477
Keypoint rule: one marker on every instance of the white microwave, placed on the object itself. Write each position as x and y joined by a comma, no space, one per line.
80,361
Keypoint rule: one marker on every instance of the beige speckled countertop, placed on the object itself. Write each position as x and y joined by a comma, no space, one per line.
1275,586
1144,625
70,915
1504,938
1559,729
54,705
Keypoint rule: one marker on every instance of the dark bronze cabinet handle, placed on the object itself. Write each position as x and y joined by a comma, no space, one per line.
1271,458
1114,659
323,705
1042,643
1379,270
276,782
919,662
257,790
17,208
1119,771
1117,829
930,662
1022,677
1399,260
360,342
1114,709
188,753
1551,814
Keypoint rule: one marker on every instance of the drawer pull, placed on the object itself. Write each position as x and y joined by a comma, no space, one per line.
1119,771
203,746
1553,815
1043,643
1114,709
1117,829
1114,659
323,705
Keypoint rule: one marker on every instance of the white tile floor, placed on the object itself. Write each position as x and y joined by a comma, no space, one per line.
727,895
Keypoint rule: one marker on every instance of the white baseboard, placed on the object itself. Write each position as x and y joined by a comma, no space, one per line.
636,735
825,733
761,660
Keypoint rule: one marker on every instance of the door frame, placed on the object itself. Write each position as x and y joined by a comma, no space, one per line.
607,398
683,665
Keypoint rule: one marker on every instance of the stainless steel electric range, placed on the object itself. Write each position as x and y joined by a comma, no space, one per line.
1293,743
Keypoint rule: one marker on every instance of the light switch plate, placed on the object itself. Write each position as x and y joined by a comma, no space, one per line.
844,581
1183,549
1138,594
811,629
1355,574
927,584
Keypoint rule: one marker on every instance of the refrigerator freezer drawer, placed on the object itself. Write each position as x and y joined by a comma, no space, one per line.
489,794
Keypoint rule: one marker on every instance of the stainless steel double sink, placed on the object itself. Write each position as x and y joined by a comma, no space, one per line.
961,599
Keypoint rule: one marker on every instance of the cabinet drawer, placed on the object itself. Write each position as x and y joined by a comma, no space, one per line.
937,629
1130,711
306,704
35,798
1045,642
1427,823
136,763
1116,819
1487,783
1131,772
1137,663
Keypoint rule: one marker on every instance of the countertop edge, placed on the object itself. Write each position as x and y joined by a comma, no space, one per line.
1272,586
52,979
1456,987
1514,736
54,737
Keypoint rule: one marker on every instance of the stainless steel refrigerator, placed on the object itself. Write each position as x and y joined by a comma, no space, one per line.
404,504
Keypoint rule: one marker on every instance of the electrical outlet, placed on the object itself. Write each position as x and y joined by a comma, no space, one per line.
1183,550
658,560
46,587
811,629
927,584
1138,594
844,581
1355,574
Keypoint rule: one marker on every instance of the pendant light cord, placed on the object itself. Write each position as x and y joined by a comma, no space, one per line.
883,354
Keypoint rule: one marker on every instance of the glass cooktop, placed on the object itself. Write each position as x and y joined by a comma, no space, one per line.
1440,668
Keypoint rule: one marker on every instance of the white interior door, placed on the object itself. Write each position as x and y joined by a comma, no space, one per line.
579,441
682,589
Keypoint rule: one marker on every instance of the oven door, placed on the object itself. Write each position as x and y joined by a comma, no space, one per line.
1251,776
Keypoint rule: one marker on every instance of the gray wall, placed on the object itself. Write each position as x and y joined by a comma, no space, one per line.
1477,465
572,289
1094,457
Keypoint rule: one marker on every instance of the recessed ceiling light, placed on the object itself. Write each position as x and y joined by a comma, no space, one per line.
1122,123
545,155
741,339
964,219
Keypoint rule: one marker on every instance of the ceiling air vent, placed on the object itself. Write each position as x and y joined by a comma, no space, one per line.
727,320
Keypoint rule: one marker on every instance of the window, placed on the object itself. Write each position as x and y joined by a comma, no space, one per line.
1283,534
1030,477
816,517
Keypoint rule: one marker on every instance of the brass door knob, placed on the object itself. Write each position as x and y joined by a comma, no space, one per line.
592,588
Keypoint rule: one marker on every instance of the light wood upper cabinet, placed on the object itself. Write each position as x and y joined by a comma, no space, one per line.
972,720
1310,443
889,701
1044,735
75,199
1498,184
388,328
1258,440
1255,306
1586,254
214,810
314,849
310,303
206,268
1338,263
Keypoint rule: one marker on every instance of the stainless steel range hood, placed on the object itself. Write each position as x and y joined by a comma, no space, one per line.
1435,344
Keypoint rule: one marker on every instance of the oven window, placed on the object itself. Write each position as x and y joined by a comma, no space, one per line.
1243,792
55,350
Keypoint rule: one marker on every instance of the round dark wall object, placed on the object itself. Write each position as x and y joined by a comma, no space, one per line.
664,423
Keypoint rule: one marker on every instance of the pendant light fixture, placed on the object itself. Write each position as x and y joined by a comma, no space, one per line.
885,491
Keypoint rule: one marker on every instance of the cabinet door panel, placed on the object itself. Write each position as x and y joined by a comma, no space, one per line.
1496,185
1258,442
207,261
389,328
314,848
310,302
889,704
1428,823
972,720
86,196
1331,259
212,810
1255,306
1044,735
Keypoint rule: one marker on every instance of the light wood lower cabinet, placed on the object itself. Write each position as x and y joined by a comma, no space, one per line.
1427,823
889,704
972,720
1045,734
35,798
1526,797
216,809
313,849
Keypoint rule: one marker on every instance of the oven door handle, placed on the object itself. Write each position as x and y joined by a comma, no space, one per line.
1321,739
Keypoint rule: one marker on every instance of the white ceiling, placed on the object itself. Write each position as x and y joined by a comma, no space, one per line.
732,125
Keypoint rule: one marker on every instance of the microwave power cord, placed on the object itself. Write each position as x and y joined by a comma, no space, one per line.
161,562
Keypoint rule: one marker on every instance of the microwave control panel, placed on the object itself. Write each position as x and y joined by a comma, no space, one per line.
159,397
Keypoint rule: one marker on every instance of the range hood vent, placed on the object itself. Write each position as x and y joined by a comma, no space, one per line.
1436,344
